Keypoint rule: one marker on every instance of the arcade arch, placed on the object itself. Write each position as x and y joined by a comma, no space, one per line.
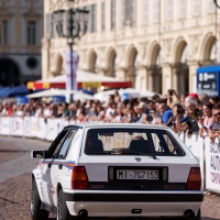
209,50
155,70
92,65
112,63
132,69
214,52
181,68
57,65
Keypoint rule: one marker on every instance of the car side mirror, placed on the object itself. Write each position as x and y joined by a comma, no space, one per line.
38,154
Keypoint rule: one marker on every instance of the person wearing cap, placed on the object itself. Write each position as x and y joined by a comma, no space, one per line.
194,95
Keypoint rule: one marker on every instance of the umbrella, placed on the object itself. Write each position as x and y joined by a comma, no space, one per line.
50,93
82,96
104,96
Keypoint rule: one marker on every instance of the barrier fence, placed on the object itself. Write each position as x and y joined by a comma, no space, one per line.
207,153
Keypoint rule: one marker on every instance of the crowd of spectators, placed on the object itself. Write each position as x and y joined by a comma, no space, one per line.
192,113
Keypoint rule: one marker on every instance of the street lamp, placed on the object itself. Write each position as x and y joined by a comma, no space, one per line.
77,23
216,3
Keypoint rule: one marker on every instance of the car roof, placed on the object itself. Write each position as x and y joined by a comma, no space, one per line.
118,125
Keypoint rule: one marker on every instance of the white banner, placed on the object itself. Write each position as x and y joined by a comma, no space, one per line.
192,143
71,70
181,135
12,126
41,128
50,130
19,125
213,165
5,130
27,127
34,127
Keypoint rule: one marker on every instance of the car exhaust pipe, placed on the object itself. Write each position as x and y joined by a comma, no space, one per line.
189,213
83,214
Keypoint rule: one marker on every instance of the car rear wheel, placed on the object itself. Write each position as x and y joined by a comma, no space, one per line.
36,212
197,217
62,210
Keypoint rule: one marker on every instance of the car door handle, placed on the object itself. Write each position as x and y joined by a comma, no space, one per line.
60,166
49,165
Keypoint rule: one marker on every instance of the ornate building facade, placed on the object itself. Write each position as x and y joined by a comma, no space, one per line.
21,32
158,44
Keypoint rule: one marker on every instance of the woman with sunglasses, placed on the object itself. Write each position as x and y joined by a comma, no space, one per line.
206,119
214,131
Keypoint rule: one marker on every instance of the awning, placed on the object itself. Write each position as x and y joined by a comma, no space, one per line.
51,93
61,92
84,80
12,92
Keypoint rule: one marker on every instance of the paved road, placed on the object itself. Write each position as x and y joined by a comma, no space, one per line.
15,180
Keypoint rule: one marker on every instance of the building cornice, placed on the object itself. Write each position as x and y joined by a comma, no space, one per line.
31,13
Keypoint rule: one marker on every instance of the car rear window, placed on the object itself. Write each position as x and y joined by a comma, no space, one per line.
131,142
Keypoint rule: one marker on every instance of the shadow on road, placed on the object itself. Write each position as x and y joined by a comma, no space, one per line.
14,151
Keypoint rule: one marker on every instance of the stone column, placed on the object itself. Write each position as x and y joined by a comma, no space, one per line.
121,73
141,78
167,77
150,78
177,81
193,66
101,71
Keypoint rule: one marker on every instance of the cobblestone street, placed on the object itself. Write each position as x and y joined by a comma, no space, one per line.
15,181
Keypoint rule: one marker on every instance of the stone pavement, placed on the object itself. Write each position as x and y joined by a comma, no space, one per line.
15,181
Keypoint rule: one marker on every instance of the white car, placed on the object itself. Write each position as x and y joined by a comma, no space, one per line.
116,170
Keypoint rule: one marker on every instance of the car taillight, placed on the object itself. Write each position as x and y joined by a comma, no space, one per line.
79,178
194,179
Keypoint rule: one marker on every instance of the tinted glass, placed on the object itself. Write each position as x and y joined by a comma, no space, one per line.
66,144
131,141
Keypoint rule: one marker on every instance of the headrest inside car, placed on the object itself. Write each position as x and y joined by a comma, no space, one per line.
95,147
143,146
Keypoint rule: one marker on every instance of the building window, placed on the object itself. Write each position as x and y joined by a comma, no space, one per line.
211,6
145,11
156,10
197,6
169,10
93,18
103,15
128,12
182,13
31,32
113,14
4,32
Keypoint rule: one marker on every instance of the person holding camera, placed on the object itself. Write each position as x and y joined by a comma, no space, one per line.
189,122
170,96
177,108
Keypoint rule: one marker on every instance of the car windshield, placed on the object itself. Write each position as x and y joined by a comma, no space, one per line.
132,141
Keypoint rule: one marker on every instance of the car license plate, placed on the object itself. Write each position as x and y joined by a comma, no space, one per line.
137,174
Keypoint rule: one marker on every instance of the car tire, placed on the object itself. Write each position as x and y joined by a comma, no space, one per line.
36,212
197,217
62,210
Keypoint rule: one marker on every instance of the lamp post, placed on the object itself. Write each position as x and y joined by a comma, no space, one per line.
216,3
77,22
